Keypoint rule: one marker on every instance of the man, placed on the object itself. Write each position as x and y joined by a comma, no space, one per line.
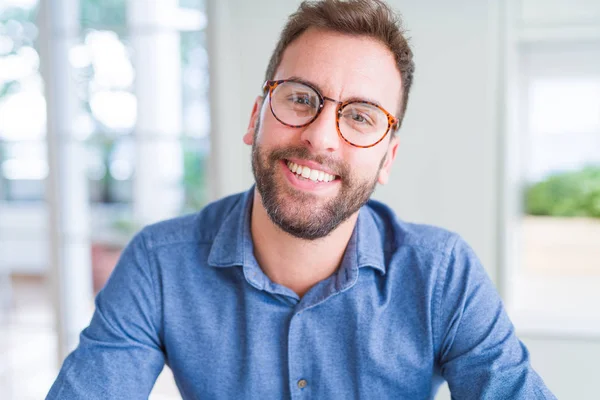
302,287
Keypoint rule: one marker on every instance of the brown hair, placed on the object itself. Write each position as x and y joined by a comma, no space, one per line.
371,18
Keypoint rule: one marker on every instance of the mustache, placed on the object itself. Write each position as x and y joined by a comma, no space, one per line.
341,168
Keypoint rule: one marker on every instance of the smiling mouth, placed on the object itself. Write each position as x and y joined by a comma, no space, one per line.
307,173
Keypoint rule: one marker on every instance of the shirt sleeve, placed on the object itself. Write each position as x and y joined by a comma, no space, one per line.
119,355
477,350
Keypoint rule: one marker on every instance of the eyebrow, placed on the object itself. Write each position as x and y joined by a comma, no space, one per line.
320,90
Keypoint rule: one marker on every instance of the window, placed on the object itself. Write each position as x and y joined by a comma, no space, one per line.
553,179
132,84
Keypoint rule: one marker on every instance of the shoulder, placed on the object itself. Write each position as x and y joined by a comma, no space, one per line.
201,226
422,239
425,255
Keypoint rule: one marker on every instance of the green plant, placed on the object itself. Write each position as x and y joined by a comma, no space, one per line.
567,194
19,36
103,13
105,143
126,226
194,180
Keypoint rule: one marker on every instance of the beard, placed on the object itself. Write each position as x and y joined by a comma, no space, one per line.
299,213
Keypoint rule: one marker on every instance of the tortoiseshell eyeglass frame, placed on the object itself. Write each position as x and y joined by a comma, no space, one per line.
392,121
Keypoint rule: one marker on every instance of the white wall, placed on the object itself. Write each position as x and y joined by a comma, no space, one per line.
242,35
559,12
448,170
569,366
447,162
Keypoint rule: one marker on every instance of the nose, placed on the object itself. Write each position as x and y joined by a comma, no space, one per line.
321,135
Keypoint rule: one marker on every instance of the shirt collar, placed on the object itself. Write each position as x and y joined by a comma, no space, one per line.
233,243
370,240
228,246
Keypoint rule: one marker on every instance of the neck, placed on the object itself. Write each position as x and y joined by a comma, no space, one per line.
296,263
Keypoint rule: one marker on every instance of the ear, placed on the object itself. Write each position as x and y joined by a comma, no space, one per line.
384,172
249,136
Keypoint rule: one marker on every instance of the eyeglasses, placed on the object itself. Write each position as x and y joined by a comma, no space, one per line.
360,123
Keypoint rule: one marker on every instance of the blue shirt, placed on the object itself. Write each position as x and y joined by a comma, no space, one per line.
409,307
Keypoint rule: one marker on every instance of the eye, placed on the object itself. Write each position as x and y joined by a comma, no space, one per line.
302,99
358,117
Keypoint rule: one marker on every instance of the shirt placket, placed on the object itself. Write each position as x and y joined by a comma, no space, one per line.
300,379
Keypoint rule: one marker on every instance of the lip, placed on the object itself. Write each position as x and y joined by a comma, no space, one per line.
306,184
312,165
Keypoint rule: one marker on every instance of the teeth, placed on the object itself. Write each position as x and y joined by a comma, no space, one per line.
312,174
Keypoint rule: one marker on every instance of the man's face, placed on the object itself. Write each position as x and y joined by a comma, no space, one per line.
343,67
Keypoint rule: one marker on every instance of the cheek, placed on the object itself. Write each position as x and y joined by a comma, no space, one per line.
272,133
365,163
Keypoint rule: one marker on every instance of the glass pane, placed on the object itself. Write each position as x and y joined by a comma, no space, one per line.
104,14
195,84
195,176
27,340
22,104
24,168
193,4
102,66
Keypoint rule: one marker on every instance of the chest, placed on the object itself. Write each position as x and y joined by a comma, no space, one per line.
237,342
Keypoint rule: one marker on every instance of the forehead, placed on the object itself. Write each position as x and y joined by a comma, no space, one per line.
344,66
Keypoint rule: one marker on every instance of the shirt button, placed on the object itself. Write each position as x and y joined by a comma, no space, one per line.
302,383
